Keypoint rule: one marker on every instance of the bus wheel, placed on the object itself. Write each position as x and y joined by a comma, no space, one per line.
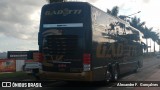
115,73
136,69
108,76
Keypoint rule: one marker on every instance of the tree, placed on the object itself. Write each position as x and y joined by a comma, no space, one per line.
109,11
136,23
158,42
155,38
147,34
52,1
114,11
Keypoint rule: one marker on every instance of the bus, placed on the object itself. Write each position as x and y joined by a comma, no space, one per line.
79,42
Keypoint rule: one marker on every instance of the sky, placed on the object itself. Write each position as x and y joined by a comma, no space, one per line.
19,20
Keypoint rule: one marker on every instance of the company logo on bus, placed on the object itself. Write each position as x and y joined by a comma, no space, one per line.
63,12
115,50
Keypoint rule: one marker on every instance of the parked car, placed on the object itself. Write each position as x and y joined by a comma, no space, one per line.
30,66
158,55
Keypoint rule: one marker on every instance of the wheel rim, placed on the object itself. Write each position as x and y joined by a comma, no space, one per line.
115,74
108,76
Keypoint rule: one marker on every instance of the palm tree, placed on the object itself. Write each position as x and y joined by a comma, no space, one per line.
158,42
154,37
136,23
108,11
157,39
52,1
147,34
114,11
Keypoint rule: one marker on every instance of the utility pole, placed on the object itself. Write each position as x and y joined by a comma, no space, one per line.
128,16
134,13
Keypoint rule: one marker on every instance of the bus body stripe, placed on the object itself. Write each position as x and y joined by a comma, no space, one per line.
63,25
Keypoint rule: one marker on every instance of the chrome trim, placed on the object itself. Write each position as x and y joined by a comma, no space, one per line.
98,67
60,62
128,62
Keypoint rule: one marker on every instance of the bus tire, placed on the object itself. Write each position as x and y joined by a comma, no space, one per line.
115,73
108,76
140,63
136,69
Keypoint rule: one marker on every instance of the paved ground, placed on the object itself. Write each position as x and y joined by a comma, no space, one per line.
149,72
154,77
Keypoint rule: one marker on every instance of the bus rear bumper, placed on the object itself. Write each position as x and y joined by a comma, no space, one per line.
84,76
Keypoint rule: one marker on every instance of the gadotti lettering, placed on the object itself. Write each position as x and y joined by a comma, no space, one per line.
63,12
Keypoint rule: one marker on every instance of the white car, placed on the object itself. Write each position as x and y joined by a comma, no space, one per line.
29,66
158,55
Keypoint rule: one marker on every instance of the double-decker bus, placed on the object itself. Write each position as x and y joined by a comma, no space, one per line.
80,42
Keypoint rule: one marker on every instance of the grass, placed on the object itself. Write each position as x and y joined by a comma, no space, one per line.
13,74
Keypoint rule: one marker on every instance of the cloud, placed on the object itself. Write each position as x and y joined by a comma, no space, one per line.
92,1
146,1
20,18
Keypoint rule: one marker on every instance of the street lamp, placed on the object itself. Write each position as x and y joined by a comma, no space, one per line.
128,16
134,13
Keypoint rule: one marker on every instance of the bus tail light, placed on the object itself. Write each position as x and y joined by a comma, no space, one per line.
86,62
